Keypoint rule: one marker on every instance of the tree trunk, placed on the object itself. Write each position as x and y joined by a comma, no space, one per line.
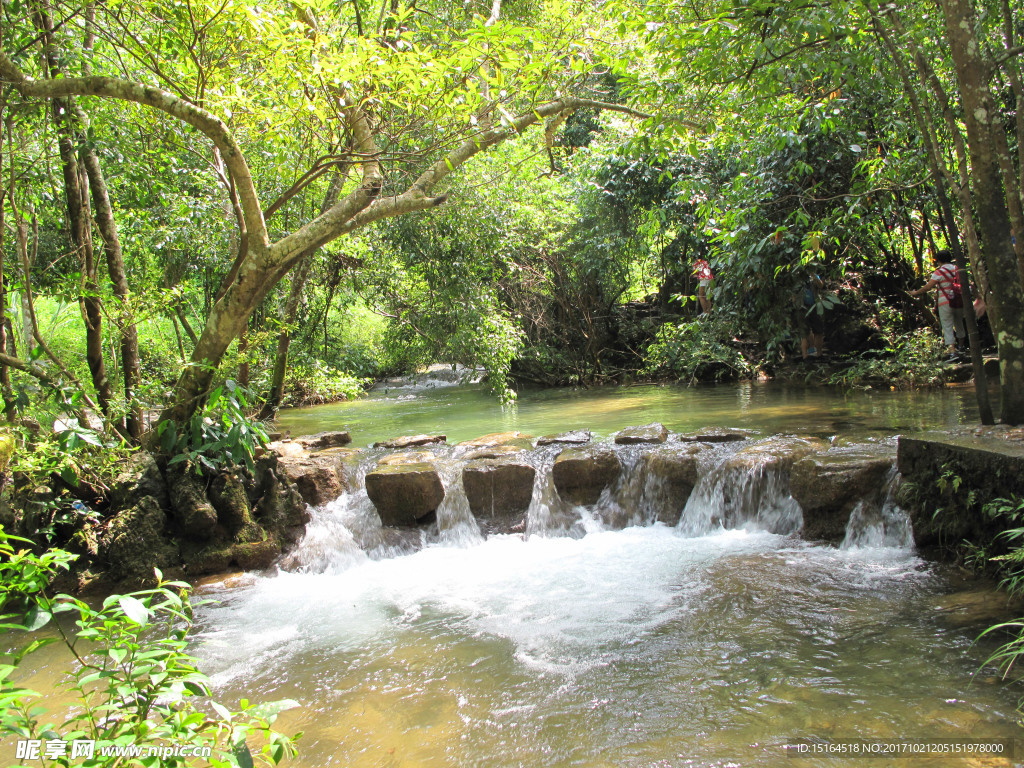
129,336
992,216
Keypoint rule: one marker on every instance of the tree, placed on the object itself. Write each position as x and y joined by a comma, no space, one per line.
402,103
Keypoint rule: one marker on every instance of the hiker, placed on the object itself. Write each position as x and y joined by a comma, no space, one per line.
702,271
949,300
810,322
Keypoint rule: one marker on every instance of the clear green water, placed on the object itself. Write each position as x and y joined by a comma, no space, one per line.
466,412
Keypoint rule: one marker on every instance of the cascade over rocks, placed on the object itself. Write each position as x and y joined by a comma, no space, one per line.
499,491
405,493
581,474
829,484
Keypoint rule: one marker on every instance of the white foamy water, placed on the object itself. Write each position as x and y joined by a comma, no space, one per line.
562,603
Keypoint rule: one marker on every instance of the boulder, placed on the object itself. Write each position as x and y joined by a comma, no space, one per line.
830,484
227,494
194,513
499,492
323,440
411,441
315,477
576,437
581,474
284,448
404,494
648,434
136,541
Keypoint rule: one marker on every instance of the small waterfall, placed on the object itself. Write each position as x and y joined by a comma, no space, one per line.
751,493
455,521
877,521
734,486
547,513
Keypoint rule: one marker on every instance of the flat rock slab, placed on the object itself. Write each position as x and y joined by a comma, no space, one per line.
779,452
496,438
647,434
412,441
404,494
412,457
496,452
576,437
323,440
581,474
499,492
712,436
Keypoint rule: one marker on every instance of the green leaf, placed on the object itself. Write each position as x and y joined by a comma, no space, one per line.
134,609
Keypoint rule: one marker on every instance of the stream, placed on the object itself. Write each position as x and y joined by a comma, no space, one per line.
650,645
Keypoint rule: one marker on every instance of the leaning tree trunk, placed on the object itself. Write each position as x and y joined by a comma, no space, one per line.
992,218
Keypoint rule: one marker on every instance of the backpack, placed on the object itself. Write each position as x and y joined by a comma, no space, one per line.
954,294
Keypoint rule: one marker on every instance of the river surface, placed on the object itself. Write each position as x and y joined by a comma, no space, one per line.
463,413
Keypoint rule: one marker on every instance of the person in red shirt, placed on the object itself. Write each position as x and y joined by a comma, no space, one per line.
949,301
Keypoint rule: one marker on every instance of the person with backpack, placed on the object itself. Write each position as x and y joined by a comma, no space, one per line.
949,300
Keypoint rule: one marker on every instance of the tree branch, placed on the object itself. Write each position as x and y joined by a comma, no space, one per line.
200,119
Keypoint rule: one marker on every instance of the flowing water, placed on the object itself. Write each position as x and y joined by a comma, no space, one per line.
711,642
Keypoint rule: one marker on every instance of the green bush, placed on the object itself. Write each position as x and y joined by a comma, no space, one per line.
697,350
910,360
314,382
133,680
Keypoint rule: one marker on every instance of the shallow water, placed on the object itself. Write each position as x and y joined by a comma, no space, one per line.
636,647
466,412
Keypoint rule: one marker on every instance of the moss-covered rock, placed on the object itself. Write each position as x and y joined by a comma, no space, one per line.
136,541
228,497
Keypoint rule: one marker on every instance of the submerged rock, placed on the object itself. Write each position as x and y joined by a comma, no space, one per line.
411,441
647,434
404,494
517,439
499,492
581,474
